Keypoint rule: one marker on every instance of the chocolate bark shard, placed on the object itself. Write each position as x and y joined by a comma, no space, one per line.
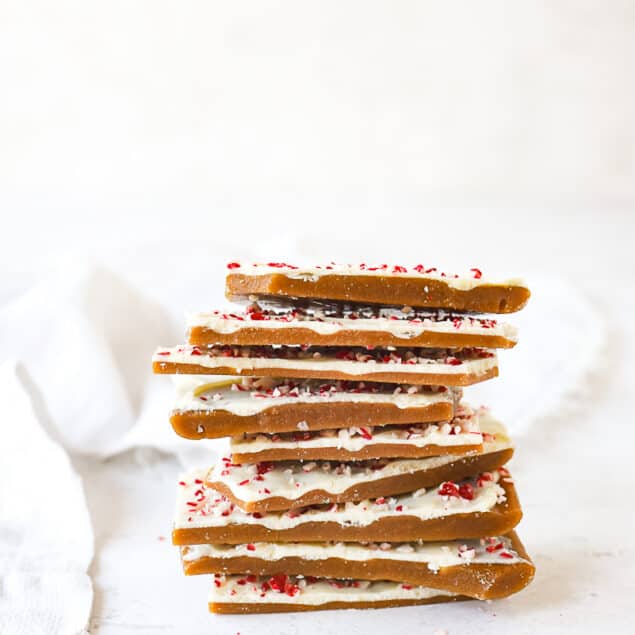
415,286
477,507
460,435
266,404
283,593
416,366
348,326
484,569
276,486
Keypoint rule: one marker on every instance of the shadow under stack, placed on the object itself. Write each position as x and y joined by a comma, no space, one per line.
357,477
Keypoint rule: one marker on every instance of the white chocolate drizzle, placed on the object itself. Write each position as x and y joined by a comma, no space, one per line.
199,506
249,396
435,555
473,362
293,479
297,590
386,320
464,282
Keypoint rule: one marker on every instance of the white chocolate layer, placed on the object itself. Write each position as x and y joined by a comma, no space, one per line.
399,325
463,282
231,591
435,555
249,396
186,355
291,481
199,506
351,440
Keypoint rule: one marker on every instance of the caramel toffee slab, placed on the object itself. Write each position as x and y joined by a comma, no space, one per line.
416,286
366,326
413,366
358,443
283,594
266,404
484,569
361,442
276,486
484,506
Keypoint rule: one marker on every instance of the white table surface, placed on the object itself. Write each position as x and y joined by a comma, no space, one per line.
574,475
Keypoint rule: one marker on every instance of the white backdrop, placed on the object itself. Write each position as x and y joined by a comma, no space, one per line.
124,121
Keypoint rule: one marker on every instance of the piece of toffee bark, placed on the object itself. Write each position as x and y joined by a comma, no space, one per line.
459,435
283,594
276,486
266,404
429,366
416,286
484,506
485,569
335,326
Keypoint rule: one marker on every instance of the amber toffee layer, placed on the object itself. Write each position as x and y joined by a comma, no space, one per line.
463,467
403,291
480,581
205,424
499,520
422,379
297,336
243,608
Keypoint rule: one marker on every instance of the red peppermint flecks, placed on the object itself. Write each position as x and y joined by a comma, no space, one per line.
233,265
251,547
277,582
466,491
477,272
449,489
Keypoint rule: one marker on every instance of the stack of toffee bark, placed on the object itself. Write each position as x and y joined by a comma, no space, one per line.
357,475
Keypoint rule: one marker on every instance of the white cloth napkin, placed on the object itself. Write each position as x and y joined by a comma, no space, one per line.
46,539
84,338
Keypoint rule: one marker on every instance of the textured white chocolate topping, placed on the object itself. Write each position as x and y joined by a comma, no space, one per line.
293,479
296,590
423,361
199,506
356,439
435,555
462,430
392,321
463,282
249,396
